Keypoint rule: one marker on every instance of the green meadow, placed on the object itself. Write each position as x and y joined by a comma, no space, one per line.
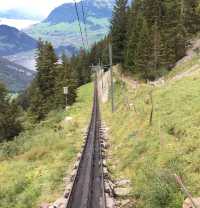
33,166
150,154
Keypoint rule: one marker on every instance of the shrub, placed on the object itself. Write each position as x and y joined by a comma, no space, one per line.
9,113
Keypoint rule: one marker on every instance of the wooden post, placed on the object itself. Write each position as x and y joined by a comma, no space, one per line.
111,76
152,108
184,189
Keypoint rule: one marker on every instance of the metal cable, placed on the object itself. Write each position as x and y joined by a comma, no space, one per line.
84,20
76,8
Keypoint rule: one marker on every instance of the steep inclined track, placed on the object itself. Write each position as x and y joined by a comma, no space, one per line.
88,187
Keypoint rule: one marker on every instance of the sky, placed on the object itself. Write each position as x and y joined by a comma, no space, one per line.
34,7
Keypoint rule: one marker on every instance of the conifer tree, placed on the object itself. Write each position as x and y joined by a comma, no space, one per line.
144,53
191,15
170,25
10,125
70,80
133,38
119,30
43,96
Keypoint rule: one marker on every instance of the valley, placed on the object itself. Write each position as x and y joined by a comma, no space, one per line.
16,77
61,28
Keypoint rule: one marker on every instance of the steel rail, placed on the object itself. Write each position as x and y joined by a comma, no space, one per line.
88,185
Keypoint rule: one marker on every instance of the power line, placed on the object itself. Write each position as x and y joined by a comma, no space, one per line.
79,24
84,20
87,8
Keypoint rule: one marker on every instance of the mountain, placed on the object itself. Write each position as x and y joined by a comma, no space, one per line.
94,9
13,41
62,29
25,59
16,77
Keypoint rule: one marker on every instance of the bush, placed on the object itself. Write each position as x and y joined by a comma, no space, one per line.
158,188
9,113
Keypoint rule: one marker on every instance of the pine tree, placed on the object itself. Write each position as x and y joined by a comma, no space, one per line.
191,15
70,80
170,25
43,97
181,34
10,125
144,53
133,38
46,67
119,30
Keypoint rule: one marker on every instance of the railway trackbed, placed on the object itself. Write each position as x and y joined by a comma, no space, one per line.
88,185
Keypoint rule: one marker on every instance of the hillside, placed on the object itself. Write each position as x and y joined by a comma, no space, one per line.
16,77
144,153
101,9
150,155
43,156
13,41
61,26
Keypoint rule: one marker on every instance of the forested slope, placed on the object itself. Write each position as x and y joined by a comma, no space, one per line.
150,36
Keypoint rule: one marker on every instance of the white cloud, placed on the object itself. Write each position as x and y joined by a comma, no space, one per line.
36,7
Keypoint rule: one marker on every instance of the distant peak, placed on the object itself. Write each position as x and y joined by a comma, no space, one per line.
6,27
67,13
103,3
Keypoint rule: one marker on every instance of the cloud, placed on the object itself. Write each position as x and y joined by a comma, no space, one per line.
33,7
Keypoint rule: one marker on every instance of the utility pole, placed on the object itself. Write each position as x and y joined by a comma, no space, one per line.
111,77
102,73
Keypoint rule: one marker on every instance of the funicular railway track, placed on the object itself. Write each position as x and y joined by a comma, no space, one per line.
88,187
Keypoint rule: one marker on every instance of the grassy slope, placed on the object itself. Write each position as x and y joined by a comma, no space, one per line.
150,155
32,168
69,33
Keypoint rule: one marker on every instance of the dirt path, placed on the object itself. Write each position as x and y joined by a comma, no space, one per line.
194,70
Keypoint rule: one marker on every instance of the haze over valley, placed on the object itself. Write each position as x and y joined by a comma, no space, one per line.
20,31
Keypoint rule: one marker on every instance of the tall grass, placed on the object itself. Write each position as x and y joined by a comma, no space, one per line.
149,155
33,166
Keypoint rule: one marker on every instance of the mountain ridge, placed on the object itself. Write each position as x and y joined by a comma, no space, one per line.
14,41
61,27
14,76
96,9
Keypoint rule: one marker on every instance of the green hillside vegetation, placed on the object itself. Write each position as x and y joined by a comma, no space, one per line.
10,125
63,34
150,36
33,166
149,155
188,65
154,132
45,93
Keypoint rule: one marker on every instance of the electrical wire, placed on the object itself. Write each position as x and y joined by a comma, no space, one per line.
87,8
85,26
76,8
